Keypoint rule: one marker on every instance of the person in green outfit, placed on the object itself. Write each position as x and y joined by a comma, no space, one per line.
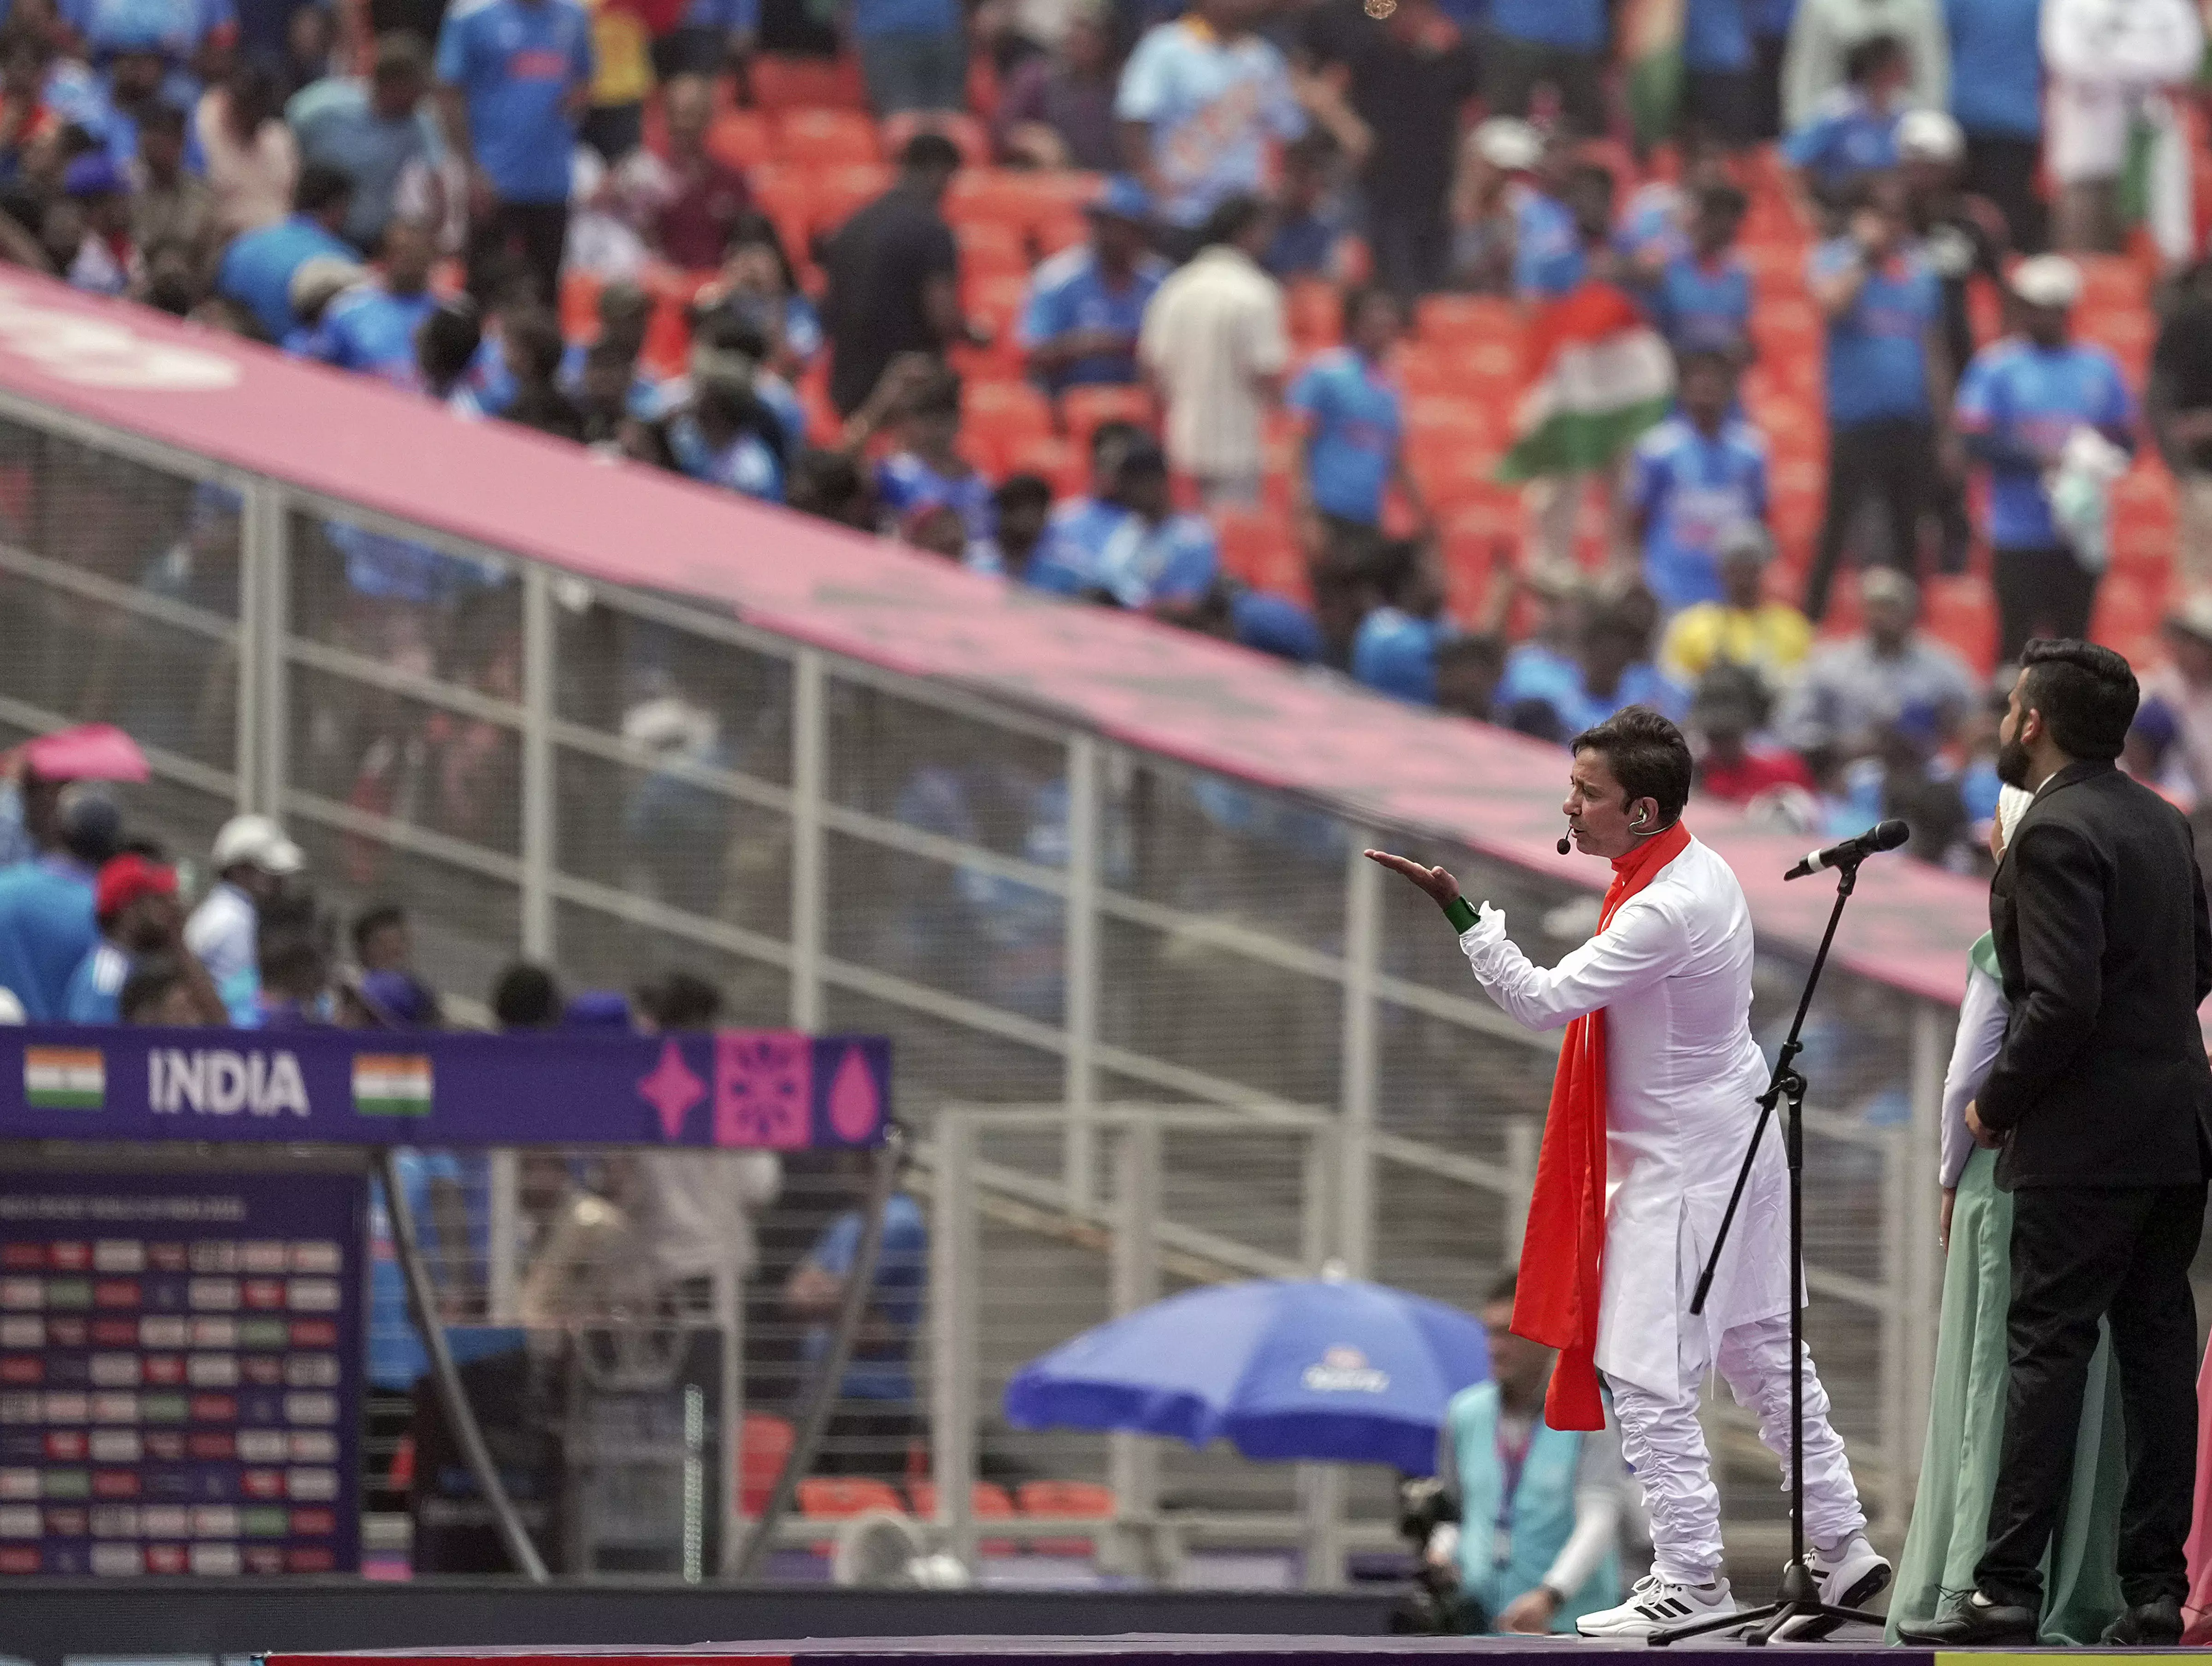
1966,1408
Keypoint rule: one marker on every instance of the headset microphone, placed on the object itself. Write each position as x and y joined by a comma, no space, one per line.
1566,844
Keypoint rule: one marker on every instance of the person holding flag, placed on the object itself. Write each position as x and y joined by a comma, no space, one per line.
1657,1087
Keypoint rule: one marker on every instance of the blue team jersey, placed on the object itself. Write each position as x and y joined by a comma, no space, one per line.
257,269
1699,307
905,483
174,28
96,988
1535,675
516,61
1354,419
371,331
1694,488
1547,250
1212,107
2030,399
1065,560
1877,354
1996,67
1141,562
1578,26
1845,137
1069,293
1396,653
1717,35
46,930
880,1369
745,463
1652,224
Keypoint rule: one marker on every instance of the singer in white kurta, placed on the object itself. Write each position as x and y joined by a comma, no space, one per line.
1671,970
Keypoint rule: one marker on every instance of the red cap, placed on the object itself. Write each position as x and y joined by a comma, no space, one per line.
126,879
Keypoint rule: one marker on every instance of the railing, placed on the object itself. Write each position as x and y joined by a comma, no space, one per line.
620,781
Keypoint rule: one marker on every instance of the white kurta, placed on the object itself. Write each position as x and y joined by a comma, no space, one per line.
1672,972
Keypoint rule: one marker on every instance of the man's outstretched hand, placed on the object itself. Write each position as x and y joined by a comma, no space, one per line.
1441,887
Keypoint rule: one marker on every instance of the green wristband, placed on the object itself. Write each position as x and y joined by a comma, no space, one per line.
1460,912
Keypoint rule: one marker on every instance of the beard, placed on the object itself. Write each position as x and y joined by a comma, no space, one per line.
2013,764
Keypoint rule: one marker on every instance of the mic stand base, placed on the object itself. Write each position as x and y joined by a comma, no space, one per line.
1798,1598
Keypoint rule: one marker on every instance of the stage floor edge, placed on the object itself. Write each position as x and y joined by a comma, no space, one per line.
1165,1650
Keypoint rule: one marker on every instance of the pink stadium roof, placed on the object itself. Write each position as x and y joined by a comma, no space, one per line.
1161,689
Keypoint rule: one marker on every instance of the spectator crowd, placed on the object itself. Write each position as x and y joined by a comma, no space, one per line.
1195,374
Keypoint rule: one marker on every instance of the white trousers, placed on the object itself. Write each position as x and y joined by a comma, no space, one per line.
1664,1447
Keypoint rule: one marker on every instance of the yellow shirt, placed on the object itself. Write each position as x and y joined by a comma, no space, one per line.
1772,639
623,54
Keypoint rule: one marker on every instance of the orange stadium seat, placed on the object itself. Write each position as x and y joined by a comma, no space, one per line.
740,139
965,131
838,191
1056,460
1001,195
1962,611
785,196
991,247
815,137
580,305
986,1501
1460,320
1315,312
827,1497
1260,548
998,418
782,81
996,300
1082,409
1065,1498
763,1443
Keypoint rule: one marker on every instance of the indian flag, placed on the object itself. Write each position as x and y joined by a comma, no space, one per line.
1599,377
65,1078
392,1084
1651,34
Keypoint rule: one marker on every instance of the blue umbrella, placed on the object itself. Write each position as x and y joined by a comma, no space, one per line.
1322,1369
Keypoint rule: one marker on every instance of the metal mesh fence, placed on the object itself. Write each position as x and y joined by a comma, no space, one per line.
622,785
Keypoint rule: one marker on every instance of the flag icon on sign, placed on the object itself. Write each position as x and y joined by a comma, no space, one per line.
65,1078
392,1084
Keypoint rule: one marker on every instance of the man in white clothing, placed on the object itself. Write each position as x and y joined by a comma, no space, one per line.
252,859
1662,994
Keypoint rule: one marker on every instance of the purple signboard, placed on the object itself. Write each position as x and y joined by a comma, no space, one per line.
180,1373
777,1090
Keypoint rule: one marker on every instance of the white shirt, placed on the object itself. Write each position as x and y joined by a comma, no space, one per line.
1982,1017
1672,972
221,932
1213,332
694,1210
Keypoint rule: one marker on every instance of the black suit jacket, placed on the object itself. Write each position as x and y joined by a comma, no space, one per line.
2099,912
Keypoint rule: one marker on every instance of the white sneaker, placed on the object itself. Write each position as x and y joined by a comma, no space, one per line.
1659,1605
1848,1578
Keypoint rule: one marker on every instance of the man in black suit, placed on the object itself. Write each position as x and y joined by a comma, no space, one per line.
2099,1103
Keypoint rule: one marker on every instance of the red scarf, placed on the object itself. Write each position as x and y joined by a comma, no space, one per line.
1556,1301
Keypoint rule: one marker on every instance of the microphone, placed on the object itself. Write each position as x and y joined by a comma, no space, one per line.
1882,836
1566,845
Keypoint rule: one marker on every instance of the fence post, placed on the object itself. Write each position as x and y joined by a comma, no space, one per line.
1079,918
955,1297
264,731
1363,934
1132,1460
810,764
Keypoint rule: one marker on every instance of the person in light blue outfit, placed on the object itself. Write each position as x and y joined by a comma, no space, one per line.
1695,480
1199,101
1548,257
258,267
1132,546
928,469
1545,695
370,129
1021,509
448,1200
1079,323
370,329
1394,653
46,923
514,78
1852,131
2020,402
727,437
1540,1510
1353,415
1887,369
1702,301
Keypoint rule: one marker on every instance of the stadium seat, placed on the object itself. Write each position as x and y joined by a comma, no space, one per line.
580,305
1449,321
764,1444
1316,311
996,300
992,248
1065,1498
1082,409
828,1498
1058,228
837,192
1056,460
785,81
986,1501
741,139
814,138
1259,547
786,197
1961,611
998,195
998,419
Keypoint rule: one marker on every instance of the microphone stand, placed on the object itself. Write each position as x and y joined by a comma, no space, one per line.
1799,1596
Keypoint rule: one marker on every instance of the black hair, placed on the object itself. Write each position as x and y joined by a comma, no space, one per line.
753,227
1718,197
727,331
1117,436
1485,648
1702,358
534,337
162,117
1505,1287
2087,693
829,484
1232,218
1018,490
149,981
930,153
321,187
373,919
1647,755
1594,176
680,1000
445,343
940,396
526,997
1876,51
1356,299
291,960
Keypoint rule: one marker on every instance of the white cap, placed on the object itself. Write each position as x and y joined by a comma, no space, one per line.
2047,281
1930,135
257,842
1508,143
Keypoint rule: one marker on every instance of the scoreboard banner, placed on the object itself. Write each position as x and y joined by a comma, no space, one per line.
777,1090
180,1373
